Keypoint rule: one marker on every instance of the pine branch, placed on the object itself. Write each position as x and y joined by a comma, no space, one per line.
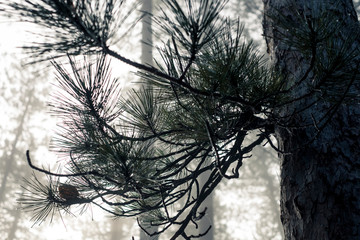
49,173
145,154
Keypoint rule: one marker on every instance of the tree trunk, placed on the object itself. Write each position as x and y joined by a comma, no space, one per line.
10,162
117,229
146,33
320,177
147,58
208,219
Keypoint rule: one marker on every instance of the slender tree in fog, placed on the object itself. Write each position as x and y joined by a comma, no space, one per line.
144,154
147,58
20,102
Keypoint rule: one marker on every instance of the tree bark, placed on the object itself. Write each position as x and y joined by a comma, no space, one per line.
320,177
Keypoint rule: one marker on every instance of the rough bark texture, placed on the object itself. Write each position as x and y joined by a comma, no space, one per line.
320,179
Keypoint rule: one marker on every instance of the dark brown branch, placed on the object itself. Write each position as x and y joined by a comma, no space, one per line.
55,174
95,173
177,81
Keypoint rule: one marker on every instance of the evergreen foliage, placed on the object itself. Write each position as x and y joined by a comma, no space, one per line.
143,154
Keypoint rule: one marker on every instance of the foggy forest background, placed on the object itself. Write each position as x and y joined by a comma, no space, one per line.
243,209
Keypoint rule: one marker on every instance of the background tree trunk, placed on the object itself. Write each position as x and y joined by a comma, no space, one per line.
208,219
147,58
10,162
320,179
146,33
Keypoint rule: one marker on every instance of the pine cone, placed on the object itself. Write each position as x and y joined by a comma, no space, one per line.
68,192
